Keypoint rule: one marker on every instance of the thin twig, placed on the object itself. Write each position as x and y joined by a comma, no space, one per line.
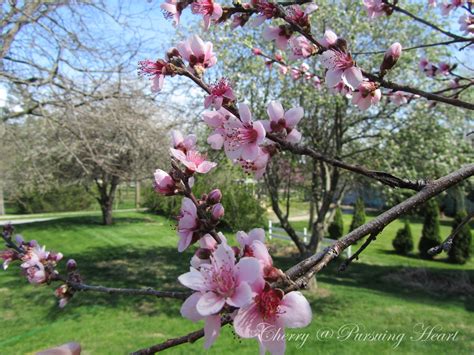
448,243
355,256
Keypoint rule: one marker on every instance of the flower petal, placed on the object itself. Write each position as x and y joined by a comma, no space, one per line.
210,303
295,310
188,309
293,116
193,279
248,270
212,329
275,110
242,296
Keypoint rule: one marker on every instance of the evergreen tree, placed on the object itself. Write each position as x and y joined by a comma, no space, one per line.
461,248
336,228
403,242
358,218
430,236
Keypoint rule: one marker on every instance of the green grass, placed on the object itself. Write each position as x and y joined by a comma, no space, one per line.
140,250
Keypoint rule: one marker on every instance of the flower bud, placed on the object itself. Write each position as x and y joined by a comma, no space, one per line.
71,265
217,211
391,57
214,196
256,51
164,183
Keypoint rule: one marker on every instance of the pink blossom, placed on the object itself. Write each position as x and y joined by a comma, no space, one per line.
446,7
164,183
198,53
216,120
239,20
375,8
223,281
367,94
443,69
207,245
214,196
256,51
329,39
466,23
300,17
257,166
282,122
428,68
193,161
178,141
188,223
221,92
243,137
209,9
156,70
399,98
246,239
301,47
432,3
217,211
341,88
316,82
340,66
172,9
280,34
34,261
282,69
270,312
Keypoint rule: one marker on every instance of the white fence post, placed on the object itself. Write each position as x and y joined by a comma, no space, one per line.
270,229
349,252
305,233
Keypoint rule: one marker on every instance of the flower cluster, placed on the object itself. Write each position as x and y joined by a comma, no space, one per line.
432,70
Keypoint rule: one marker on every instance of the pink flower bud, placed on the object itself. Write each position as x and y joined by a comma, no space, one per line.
391,57
217,211
256,51
214,196
164,183
71,265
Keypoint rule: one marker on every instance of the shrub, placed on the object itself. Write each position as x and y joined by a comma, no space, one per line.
430,234
358,218
460,251
403,242
336,228
55,199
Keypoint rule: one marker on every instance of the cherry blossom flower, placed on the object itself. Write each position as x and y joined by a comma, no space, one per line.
198,53
223,281
164,183
188,223
340,66
280,34
282,69
156,70
256,51
217,211
193,161
447,7
282,122
178,141
443,69
301,47
172,9
367,94
399,98
432,3
428,68
209,9
243,137
221,93
341,88
329,39
299,16
375,8
316,82
258,166
214,196
270,312
466,23
216,120
38,264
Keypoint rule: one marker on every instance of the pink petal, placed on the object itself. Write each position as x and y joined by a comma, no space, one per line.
275,110
178,154
157,83
247,321
293,116
296,311
193,280
188,309
212,329
276,345
242,296
242,238
197,45
258,126
244,112
294,136
260,252
281,42
257,234
333,77
248,270
250,152
224,256
188,205
210,303
266,125
216,141
353,76
270,33
205,167
184,241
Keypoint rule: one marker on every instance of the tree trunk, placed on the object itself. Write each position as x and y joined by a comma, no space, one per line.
107,214
107,197
137,193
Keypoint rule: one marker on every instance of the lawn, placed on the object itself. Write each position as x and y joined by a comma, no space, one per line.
382,294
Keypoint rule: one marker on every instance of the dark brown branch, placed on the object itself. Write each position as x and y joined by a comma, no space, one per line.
304,270
448,243
355,256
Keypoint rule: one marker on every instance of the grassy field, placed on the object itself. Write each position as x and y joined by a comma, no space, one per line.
382,294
